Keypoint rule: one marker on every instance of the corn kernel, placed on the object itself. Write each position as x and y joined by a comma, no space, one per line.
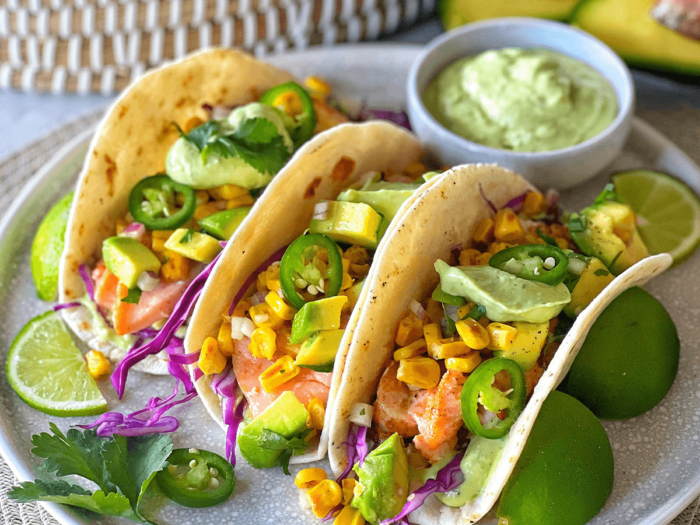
175,268
201,197
272,278
279,373
562,243
309,477
356,255
465,364
121,224
243,200
227,192
432,333
348,486
501,336
324,496
483,259
359,270
445,348
346,264
534,204
211,360
463,310
413,350
507,226
205,210
434,311
317,413
224,338
422,372
317,86
97,363
410,329
263,343
263,315
468,257
473,334
496,247
349,515
280,306
483,233
261,282
158,238
289,102
241,308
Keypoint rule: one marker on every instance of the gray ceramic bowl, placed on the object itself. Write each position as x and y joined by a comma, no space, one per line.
561,168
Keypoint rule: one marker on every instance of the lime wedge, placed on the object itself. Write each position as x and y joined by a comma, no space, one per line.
48,371
668,212
47,248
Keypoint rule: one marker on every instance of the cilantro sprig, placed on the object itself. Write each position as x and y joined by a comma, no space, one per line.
256,141
273,441
121,467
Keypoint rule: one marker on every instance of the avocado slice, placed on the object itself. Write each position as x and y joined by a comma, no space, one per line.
323,314
628,28
127,258
353,293
285,416
318,351
454,13
594,278
382,488
223,224
351,223
193,245
608,231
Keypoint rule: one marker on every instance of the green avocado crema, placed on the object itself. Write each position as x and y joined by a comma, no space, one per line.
505,296
522,100
184,161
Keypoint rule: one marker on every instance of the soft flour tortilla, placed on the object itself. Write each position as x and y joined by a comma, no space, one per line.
320,170
443,216
130,144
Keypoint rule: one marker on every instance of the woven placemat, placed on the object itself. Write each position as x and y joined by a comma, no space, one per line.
15,171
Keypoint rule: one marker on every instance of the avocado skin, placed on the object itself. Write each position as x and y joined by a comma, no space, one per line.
384,480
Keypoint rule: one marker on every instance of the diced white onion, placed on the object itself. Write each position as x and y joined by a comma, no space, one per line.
304,501
135,230
280,292
147,281
220,112
241,327
549,263
260,318
258,298
361,414
276,263
418,309
181,332
451,311
576,266
321,211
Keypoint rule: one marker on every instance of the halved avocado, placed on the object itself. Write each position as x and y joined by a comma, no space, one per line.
627,27
454,13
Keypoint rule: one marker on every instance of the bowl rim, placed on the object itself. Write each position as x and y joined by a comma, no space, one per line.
415,100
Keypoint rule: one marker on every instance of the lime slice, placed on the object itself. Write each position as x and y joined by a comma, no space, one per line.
47,248
668,212
48,371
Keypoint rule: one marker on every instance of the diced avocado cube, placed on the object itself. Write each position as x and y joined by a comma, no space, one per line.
594,278
223,224
353,294
323,314
286,416
193,245
127,258
351,223
382,488
608,231
318,351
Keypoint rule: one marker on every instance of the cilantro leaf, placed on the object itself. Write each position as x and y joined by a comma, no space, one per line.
601,273
201,135
187,237
110,504
449,326
133,297
608,194
546,238
577,223
477,312
283,461
77,453
288,446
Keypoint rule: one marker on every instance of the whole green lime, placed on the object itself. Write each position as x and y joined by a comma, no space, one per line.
629,359
565,473
47,248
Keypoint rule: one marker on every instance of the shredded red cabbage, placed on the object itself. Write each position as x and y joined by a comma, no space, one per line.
85,274
447,479
456,249
62,306
483,196
400,118
179,315
516,204
250,280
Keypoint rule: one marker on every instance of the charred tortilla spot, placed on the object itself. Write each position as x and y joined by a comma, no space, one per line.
343,169
81,230
311,189
180,103
123,111
111,171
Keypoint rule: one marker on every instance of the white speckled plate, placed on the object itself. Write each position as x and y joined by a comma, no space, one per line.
657,455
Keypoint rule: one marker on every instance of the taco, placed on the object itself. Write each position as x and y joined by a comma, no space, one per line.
175,166
272,325
466,299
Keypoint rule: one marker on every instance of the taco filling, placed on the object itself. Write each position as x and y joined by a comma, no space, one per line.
177,221
287,324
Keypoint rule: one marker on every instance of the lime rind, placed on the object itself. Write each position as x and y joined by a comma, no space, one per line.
48,371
